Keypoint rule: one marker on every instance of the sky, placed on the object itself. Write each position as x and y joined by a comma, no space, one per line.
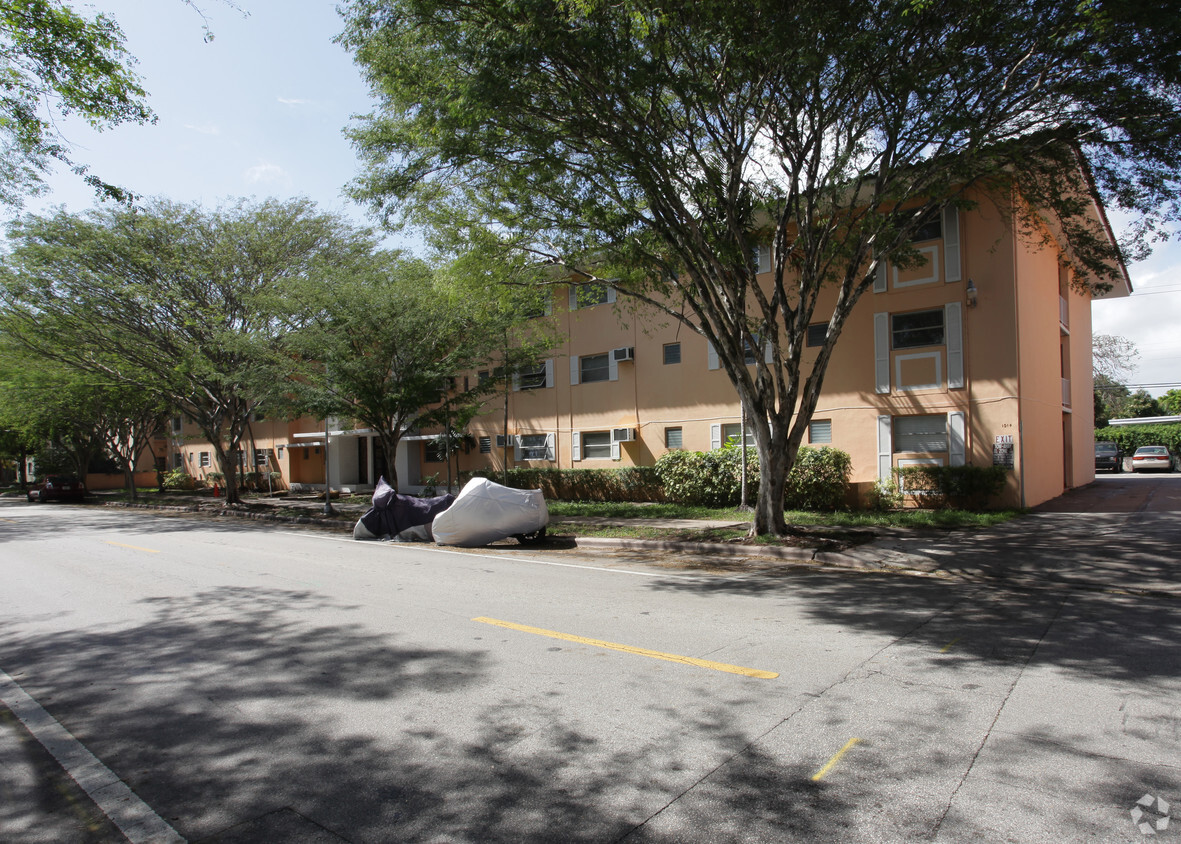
260,110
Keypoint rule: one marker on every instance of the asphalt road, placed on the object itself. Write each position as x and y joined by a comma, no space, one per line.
220,682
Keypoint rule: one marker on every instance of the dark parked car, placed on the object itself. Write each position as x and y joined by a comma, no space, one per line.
59,488
1109,457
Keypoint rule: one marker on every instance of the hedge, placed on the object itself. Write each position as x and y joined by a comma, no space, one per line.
631,483
1131,437
967,487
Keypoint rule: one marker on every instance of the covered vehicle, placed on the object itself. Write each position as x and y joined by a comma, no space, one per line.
404,518
484,512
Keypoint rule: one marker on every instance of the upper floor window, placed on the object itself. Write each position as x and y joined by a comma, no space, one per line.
919,328
922,434
591,294
672,353
533,377
594,368
930,229
817,331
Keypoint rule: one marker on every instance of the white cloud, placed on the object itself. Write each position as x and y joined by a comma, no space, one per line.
266,173
204,129
292,101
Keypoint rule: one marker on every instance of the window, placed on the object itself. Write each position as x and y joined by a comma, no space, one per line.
673,438
921,328
533,377
259,416
760,258
920,434
672,353
177,425
263,456
594,368
534,447
820,431
596,445
485,445
434,451
817,331
930,229
204,459
483,377
589,295
732,433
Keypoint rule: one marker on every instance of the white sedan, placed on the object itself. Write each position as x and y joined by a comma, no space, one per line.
1152,457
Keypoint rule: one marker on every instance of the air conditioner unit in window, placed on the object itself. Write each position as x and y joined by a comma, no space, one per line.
623,435
623,353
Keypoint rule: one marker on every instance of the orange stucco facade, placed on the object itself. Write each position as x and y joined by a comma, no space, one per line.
980,355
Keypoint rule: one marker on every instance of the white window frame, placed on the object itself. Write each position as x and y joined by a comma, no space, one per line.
612,447
543,450
812,432
900,359
680,436
932,254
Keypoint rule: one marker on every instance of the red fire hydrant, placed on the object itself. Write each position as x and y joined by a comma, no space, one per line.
216,491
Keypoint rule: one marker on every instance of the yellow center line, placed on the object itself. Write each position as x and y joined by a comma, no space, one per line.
631,649
10,521
947,647
831,762
134,547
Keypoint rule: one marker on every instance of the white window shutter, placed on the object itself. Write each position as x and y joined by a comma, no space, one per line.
881,352
573,297
516,382
549,372
767,352
715,436
574,370
611,294
516,448
615,451
954,326
711,355
549,303
575,445
879,278
550,453
612,368
957,453
951,244
885,448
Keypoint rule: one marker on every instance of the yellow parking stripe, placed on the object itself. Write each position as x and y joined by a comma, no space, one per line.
134,547
816,777
947,647
631,649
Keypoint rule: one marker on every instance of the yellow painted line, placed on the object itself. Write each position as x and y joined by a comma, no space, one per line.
816,777
10,521
631,649
947,647
134,547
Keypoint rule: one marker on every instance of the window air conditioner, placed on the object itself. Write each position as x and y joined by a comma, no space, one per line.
623,353
623,435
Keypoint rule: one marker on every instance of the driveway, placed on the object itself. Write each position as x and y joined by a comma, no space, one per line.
1120,533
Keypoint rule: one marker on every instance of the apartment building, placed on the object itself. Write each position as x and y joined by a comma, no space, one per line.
980,356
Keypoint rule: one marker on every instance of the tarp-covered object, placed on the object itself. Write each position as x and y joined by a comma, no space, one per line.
484,512
399,516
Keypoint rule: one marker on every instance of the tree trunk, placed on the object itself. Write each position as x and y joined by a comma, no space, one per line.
229,470
768,515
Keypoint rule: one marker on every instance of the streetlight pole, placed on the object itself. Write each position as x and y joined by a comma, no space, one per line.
328,511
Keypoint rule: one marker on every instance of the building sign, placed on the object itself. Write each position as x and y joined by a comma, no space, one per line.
1002,452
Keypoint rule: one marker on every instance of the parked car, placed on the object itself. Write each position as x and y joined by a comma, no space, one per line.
1152,457
57,487
1109,457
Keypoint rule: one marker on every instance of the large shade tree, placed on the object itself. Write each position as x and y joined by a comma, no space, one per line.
183,303
393,344
657,143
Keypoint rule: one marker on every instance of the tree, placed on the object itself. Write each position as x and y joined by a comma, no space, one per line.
658,144
1113,357
179,302
55,62
385,341
1171,401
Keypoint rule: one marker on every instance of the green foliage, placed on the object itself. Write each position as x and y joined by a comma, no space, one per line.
1131,437
633,483
56,62
884,496
707,478
819,479
1171,402
178,479
964,487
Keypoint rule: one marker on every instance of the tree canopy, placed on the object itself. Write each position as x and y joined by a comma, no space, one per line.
185,304
657,143
56,62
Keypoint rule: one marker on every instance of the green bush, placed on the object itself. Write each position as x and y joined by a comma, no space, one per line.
179,479
819,480
708,478
1131,437
964,487
632,483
